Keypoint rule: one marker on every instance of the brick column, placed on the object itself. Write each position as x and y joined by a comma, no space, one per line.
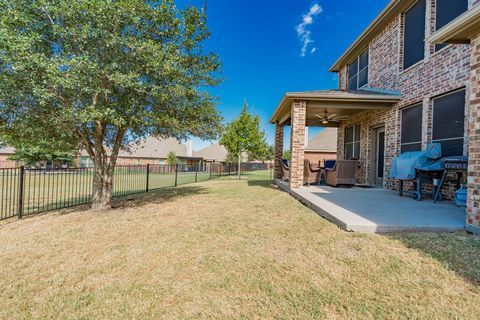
473,201
278,150
297,143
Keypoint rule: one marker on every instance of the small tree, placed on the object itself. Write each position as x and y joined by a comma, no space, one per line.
99,74
43,149
172,158
265,153
243,135
287,155
231,158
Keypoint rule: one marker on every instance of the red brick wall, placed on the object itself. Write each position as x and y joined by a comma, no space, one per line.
473,209
5,163
440,72
297,143
278,150
319,157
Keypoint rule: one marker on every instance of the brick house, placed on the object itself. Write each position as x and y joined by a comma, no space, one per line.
5,154
411,78
212,153
323,146
150,150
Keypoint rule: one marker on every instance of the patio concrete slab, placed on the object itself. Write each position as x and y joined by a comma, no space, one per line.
378,210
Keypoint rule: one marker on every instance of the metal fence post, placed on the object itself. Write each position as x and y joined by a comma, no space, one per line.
196,173
148,177
211,170
21,191
176,174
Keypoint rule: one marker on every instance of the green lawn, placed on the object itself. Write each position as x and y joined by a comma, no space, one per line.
228,249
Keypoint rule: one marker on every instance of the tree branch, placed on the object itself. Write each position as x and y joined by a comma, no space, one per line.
116,147
86,143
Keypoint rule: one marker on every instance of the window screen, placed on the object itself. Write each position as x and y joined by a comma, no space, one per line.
411,134
413,43
358,72
352,142
448,10
448,127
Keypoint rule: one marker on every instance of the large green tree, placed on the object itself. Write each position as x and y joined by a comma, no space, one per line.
244,136
98,74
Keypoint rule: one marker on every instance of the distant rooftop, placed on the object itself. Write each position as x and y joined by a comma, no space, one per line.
325,141
215,152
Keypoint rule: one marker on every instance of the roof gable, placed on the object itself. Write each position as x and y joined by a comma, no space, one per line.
325,141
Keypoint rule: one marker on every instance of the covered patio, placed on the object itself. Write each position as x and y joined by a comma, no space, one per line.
325,108
375,210
371,209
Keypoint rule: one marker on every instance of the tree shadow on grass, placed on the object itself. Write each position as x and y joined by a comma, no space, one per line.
157,196
261,183
458,252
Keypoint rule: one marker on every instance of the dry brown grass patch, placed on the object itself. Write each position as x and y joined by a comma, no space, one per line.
224,249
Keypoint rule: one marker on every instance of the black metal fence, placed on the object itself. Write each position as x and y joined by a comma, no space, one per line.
25,191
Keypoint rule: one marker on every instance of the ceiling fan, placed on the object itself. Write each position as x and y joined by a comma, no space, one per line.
325,118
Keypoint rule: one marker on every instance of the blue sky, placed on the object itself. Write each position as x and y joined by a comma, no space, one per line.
260,44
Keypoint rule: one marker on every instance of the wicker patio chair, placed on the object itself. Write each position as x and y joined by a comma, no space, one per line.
311,174
343,173
285,170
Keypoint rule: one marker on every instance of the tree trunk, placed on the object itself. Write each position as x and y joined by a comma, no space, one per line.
102,186
104,169
239,166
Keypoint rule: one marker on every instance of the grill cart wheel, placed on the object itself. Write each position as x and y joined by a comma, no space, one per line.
417,196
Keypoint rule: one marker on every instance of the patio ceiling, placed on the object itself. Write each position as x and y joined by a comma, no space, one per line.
338,102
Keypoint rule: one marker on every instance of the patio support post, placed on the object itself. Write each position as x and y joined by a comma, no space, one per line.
473,200
297,142
278,150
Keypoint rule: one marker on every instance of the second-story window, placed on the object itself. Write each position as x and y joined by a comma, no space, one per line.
446,11
358,72
414,34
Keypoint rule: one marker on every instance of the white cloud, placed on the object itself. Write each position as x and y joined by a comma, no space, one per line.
305,35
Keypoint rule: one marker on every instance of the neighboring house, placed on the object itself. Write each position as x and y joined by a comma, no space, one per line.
401,87
150,150
322,147
212,153
5,153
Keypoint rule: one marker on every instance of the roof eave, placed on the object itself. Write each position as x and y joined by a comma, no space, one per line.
460,30
393,8
290,96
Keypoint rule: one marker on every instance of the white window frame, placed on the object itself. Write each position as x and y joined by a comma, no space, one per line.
357,59
359,141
